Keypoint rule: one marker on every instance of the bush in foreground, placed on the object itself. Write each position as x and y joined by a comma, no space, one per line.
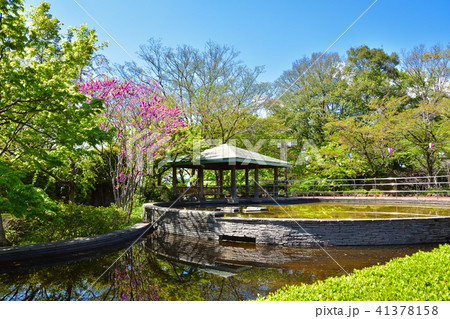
71,221
423,276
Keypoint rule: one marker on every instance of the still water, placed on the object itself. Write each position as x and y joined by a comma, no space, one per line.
343,211
174,268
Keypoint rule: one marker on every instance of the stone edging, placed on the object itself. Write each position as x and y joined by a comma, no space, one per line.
211,225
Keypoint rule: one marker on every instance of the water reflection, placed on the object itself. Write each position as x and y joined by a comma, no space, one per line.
174,268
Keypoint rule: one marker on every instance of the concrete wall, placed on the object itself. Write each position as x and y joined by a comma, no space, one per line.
349,232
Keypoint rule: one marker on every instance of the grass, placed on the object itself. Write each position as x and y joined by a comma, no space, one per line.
423,276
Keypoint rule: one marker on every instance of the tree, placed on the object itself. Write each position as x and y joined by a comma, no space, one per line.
371,135
217,92
308,96
38,68
138,128
66,153
371,74
427,72
425,133
391,138
39,102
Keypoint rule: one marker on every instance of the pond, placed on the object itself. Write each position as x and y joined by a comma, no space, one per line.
174,268
341,211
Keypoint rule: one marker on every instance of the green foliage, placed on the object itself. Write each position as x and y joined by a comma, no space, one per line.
43,123
38,74
426,72
407,132
367,104
158,194
19,199
420,126
72,221
373,75
370,135
422,276
309,98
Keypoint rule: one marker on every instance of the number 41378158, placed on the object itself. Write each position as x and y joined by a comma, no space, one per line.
407,310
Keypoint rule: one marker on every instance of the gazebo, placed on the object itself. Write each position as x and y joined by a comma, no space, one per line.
229,157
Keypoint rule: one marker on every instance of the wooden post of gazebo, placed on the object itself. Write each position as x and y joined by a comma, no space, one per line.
233,184
220,183
275,182
247,190
256,190
201,192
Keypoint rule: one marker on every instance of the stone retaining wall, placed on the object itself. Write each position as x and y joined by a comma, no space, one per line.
191,223
279,231
346,232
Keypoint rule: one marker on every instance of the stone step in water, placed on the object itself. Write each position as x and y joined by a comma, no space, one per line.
255,209
228,209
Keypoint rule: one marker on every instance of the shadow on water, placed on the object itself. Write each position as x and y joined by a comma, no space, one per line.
176,268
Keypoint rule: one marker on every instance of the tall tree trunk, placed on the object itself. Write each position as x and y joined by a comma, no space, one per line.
3,240
72,192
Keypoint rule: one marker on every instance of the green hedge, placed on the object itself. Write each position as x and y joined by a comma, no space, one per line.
71,221
423,276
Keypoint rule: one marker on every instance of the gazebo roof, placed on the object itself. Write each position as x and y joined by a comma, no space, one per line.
216,157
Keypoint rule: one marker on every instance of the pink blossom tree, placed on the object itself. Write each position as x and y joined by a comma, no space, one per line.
140,126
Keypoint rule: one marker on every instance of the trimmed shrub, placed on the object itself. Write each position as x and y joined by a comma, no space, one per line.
421,277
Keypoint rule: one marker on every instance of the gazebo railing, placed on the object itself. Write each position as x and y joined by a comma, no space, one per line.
215,191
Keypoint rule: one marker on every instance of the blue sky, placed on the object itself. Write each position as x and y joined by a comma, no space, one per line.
266,33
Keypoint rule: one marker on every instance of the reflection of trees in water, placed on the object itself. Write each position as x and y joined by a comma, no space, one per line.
179,281
249,284
137,275
183,282
61,282
131,280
